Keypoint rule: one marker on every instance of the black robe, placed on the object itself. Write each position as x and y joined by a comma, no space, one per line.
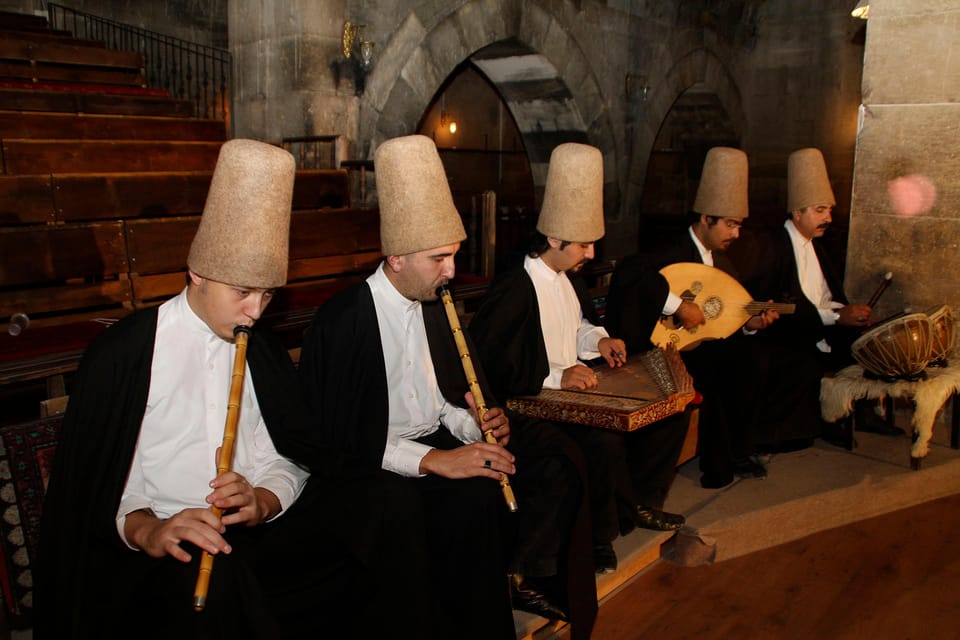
433,543
89,584
630,469
720,368
792,365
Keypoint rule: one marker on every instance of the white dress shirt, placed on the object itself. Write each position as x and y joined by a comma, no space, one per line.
673,300
415,403
569,337
812,281
175,458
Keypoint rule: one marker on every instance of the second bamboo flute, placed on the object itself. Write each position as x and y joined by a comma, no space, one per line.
226,453
474,385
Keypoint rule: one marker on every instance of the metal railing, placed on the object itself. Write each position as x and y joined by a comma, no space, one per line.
188,71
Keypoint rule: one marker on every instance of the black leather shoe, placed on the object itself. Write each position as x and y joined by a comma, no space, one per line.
651,518
749,468
604,558
525,596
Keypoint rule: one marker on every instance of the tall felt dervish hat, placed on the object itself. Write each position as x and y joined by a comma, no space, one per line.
244,234
573,198
416,208
807,182
722,191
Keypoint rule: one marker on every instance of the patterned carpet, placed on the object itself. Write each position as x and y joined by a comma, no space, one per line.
26,456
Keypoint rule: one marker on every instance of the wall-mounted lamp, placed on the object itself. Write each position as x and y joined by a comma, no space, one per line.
358,50
447,122
640,83
862,9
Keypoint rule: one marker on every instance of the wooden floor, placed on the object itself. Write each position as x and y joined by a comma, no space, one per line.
896,576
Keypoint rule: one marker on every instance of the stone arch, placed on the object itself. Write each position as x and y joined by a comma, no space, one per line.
525,52
698,67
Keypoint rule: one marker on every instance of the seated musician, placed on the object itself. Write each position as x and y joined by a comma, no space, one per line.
790,264
532,332
639,296
127,511
381,368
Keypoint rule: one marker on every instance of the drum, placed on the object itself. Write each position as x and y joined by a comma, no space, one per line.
942,332
898,348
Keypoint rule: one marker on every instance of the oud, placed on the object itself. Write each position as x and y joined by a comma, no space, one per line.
726,305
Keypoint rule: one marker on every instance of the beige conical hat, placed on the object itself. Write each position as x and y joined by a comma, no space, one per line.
722,191
573,198
244,234
416,207
807,182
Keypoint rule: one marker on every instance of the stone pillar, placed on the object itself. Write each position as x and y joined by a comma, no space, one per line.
908,151
288,71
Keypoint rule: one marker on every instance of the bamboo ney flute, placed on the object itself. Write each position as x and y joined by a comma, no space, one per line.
240,334
474,385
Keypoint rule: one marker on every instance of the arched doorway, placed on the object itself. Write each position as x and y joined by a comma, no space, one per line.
511,108
696,121
482,151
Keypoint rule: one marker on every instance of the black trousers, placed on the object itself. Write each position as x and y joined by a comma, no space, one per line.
724,373
628,469
551,530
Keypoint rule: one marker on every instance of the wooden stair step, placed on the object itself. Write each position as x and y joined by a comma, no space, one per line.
93,99
26,200
49,35
23,21
17,124
62,53
77,75
139,194
23,156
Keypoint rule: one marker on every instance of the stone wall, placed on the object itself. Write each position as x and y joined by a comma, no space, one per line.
908,149
291,79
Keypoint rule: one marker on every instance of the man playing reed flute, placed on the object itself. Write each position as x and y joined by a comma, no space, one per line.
381,368
127,509
533,332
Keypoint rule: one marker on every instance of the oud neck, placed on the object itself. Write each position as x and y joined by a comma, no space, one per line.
755,307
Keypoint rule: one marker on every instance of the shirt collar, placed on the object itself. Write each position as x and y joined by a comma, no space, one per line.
182,309
537,268
799,241
704,252
387,293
